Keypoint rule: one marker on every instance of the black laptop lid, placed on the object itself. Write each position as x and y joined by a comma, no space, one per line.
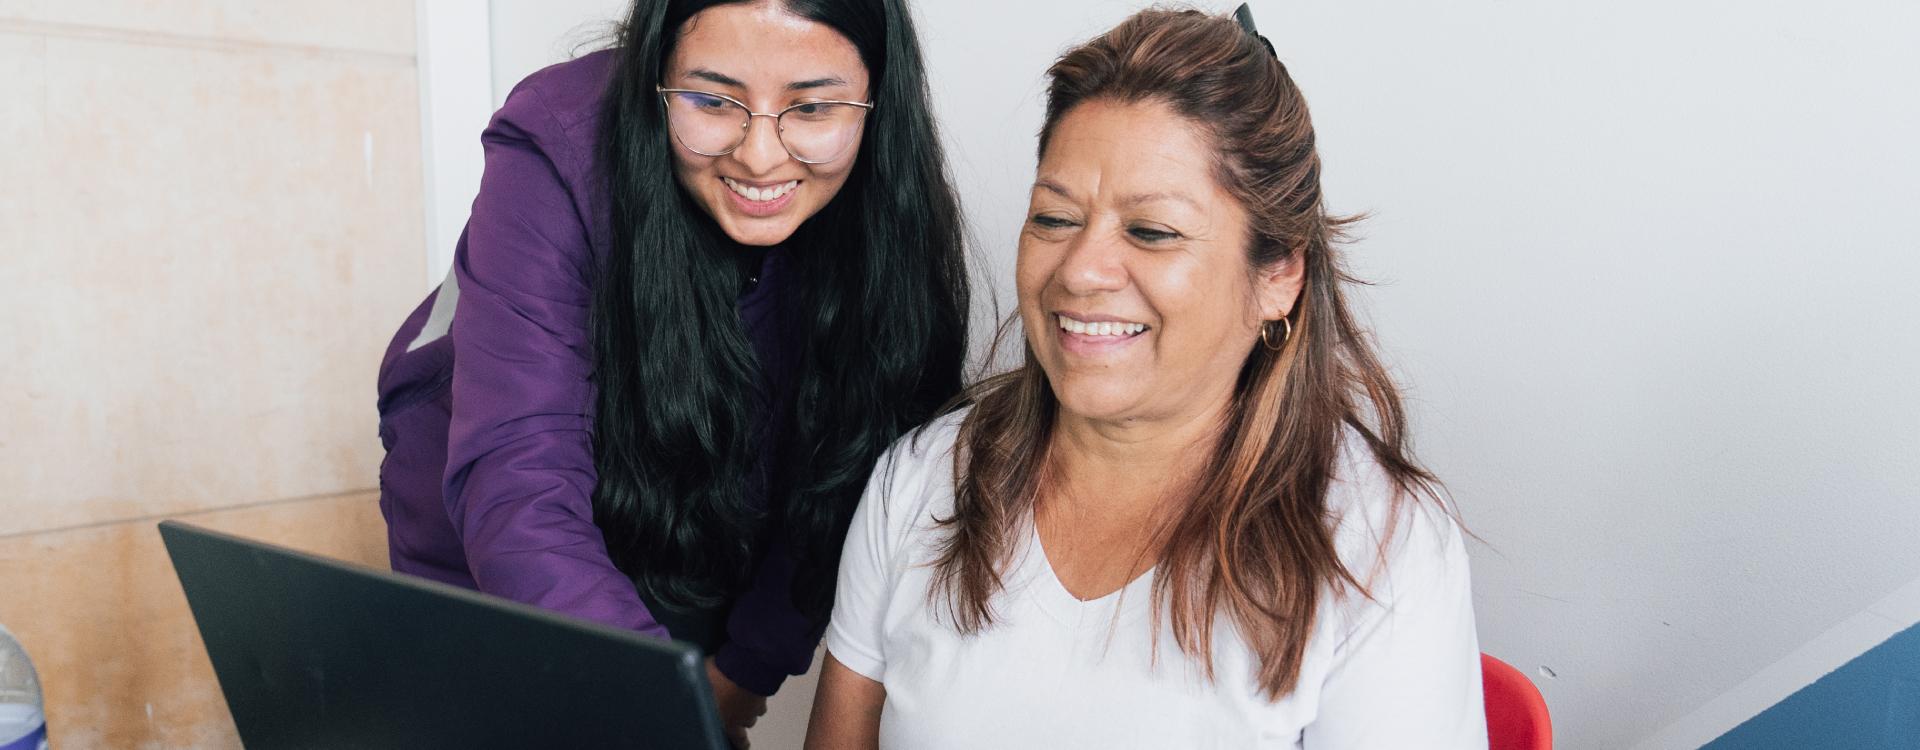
315,653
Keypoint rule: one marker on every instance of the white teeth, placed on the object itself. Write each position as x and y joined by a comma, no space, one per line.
760,194
1100,329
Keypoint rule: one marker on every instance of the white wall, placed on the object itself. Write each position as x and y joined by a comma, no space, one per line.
531,34
1644,270
471,55
456,100
1646,264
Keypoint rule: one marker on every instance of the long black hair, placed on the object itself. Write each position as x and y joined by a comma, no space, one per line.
878,285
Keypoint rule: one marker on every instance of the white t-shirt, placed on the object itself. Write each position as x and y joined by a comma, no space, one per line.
1400,672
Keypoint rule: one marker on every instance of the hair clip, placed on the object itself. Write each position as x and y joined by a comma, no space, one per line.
1244,16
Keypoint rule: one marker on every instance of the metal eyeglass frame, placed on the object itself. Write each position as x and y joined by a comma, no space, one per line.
778,130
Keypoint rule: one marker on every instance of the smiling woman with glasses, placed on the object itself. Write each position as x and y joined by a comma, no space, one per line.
711,274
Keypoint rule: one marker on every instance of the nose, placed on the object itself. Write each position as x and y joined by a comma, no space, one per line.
1094,263
761,152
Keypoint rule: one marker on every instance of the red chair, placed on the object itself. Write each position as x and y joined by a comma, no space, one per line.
1516,714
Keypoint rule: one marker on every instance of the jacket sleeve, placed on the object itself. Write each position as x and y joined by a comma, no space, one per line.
520,472
768,639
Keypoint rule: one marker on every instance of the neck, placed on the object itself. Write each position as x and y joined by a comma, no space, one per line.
1134,461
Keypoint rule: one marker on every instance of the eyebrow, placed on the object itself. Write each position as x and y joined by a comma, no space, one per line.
727,80
1128,202
1144,198
719,78
1053,187
816,83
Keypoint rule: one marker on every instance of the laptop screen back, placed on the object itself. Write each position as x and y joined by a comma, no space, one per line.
316,653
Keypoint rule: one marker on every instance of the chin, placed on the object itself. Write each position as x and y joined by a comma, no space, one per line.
758,232
761,238
1105,401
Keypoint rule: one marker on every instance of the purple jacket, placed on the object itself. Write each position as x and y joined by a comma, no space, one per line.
486,405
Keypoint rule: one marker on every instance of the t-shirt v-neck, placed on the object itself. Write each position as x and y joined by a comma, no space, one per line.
1126,605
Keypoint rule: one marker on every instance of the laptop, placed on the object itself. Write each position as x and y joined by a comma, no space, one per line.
314,653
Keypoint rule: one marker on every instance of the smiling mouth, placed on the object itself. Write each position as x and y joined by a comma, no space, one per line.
1105,328
760,193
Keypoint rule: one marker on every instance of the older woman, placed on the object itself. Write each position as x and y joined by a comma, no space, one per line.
1191,518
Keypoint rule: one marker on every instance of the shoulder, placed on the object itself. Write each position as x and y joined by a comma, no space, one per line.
912,484
570,91
558,106
931,444
921,462
1385,532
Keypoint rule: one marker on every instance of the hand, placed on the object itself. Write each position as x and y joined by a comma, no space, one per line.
739,708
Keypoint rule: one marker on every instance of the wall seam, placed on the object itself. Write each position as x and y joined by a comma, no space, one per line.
158,517
86,32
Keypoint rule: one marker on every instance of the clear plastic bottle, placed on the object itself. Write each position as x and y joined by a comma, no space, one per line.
23,724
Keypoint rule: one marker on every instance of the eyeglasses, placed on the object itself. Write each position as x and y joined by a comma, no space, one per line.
710,124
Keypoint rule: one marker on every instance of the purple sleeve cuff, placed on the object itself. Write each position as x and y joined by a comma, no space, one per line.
767,638
748,670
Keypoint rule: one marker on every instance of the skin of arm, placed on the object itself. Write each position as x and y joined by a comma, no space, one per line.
846,710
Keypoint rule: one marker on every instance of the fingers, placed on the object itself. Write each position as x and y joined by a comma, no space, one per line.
737,737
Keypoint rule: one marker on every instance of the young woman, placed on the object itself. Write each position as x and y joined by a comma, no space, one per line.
1190,519
711,274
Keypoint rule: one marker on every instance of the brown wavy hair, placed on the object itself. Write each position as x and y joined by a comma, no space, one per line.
1253,540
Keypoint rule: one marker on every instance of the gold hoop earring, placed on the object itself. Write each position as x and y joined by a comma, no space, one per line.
1266,335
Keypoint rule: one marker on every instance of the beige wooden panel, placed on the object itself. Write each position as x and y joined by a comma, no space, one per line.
20,9
23,145
218,245
380,26
104,620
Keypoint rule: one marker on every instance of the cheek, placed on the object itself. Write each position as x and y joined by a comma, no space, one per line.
1176,289
830,174
1203,306
834,174
1032,267
689,168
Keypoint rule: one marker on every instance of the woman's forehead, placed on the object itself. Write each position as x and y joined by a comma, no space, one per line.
1132,154
764,47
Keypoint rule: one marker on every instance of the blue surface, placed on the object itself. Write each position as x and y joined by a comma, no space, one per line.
1870,703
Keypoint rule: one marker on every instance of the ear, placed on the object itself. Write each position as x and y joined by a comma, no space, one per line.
1277,289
